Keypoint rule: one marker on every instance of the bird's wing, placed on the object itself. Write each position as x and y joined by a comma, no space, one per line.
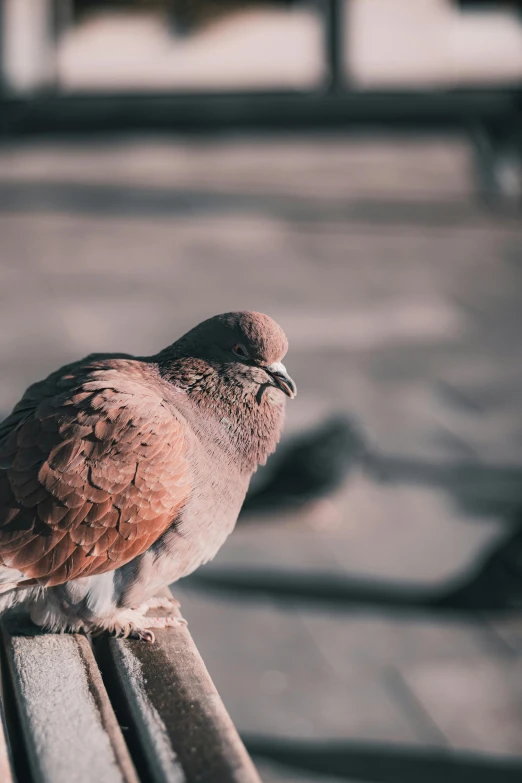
92,472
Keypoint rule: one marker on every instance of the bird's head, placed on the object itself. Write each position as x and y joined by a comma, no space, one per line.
246,347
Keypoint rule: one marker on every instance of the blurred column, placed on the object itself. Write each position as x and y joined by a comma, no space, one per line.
2,77
336,39
27,45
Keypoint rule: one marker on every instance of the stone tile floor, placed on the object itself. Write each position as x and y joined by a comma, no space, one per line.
401,298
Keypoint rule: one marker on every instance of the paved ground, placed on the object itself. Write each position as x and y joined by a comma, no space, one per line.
401,299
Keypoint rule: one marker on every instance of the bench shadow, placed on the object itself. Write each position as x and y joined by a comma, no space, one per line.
376,763
492,585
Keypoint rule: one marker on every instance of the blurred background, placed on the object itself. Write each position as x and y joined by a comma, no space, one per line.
353,168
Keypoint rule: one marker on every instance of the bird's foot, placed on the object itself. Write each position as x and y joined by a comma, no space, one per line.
140,634
122,623
136,624
159,602
144,633
169,621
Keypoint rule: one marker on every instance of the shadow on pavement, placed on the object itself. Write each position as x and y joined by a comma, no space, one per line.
383,763
494,584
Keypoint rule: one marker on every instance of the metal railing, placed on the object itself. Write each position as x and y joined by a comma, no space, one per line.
336,104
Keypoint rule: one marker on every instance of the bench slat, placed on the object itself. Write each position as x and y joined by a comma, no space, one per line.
70,730
6,775
179,719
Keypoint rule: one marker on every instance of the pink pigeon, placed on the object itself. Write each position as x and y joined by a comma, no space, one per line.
119,475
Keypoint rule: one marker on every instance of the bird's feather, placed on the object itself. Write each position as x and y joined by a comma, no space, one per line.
92,472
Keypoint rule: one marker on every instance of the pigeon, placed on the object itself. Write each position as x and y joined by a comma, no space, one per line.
119,475
312,466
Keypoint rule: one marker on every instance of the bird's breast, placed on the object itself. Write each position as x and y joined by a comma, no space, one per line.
211,509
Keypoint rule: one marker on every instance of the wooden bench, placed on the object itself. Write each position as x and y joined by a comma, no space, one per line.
112,711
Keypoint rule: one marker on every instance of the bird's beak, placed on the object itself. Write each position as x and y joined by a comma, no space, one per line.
278,373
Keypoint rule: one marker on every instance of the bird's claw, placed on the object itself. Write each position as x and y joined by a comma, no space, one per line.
142,635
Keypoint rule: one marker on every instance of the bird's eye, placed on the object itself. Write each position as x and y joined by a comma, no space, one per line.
239,350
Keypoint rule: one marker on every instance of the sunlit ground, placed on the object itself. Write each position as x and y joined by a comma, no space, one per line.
401,299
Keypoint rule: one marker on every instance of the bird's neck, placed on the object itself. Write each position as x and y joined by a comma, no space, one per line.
244,420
